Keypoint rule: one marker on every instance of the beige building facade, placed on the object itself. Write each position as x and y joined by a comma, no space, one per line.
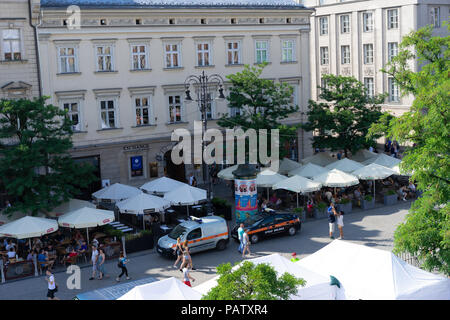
121,74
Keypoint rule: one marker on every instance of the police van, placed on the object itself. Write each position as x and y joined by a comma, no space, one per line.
205,233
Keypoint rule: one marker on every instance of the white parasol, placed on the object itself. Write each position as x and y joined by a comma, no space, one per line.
116,192
298,185
308,171
227,173
345,165
162,185
336,178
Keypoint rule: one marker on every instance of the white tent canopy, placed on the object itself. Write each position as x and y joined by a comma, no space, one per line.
142,203
71,205
336,178
363,155
4,218
372,274
298,184
383,160
373,172
161,185
320,159
345,165
227,173
317,286
308,171
267,178
116,192
28,227
287,165
167,289
185,195
86,218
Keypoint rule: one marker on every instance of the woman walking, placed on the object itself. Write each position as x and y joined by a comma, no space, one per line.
340,223
187,260
246,244
122,265
179,252
101,264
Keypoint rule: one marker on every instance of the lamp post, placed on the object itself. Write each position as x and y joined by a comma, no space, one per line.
204,98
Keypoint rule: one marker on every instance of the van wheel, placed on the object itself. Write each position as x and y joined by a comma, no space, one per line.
254,238
292,231
221,245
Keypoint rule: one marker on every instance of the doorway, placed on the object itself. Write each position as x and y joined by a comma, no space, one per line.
174,171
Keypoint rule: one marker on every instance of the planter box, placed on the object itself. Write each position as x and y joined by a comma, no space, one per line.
320,214
367,204
390,199
347,208
139,244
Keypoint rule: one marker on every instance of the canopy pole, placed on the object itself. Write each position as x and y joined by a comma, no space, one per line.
373,190
29,243
187,208
87,235
297,199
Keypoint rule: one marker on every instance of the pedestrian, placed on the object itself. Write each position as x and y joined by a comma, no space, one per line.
340,223
187,260
52,286
187,277
179,252
240,236
122,265
294,257
94,259
331,219
101,264
245,244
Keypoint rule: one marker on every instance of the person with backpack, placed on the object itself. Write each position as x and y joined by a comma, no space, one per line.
122,265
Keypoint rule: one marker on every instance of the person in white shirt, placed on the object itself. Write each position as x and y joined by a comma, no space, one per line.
12,254
340,223
10,245
412,190
94,259
52,287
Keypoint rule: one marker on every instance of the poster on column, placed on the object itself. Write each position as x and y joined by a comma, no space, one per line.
246,199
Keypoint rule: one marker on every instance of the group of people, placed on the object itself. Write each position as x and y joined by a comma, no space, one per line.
182,252
335,217
244,241
392,148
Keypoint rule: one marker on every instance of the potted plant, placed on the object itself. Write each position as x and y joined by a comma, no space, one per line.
301,213
344,205
139,242
320,210
221,208
368,202
390,198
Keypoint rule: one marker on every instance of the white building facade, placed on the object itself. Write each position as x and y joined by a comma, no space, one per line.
358,38
121,74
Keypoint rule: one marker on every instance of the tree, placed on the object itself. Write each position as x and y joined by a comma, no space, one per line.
345,117
425,232
35,168
261,103
253,282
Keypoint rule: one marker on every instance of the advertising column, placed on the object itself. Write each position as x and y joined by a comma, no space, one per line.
246,196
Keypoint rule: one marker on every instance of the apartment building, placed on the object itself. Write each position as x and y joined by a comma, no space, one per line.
120,73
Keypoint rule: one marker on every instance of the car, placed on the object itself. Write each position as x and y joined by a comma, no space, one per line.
264,225
210,232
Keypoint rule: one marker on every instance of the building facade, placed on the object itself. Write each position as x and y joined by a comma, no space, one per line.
358,38
19,73
120,69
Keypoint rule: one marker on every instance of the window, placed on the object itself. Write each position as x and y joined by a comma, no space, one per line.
139,56
435,17
203,54
202,21
261,20
345,54
367,22
103,22
174,109
73,113
233,21
142,107
11,44
287,50
323,25
194,234
345,24
234,111
234,52
392,50
262,51
171,21
138,21
104,58
324,55
288,20
67,60
172,53
368,53
392,18
323,83
393,90
369,84
209,108
108,114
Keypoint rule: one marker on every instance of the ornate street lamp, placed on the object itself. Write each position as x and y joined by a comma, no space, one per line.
204,82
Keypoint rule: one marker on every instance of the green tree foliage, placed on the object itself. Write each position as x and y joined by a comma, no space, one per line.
253,282
426,126
262,103
345,116
35,167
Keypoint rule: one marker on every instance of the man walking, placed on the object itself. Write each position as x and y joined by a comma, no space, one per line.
331,219
52,288
241,237
94,259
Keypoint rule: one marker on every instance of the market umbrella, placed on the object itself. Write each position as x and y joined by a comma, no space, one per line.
321,159
162,185
345,165
227,173
186,195
383,160
363,155
142,203
298,184
115,192
267,178
336,178
373,171
287,165
308,171
28,227
396,168
86,218
71,205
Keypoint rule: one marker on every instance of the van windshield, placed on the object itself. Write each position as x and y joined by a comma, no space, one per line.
177,232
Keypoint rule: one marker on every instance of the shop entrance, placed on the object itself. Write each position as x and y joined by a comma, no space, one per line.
174,171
